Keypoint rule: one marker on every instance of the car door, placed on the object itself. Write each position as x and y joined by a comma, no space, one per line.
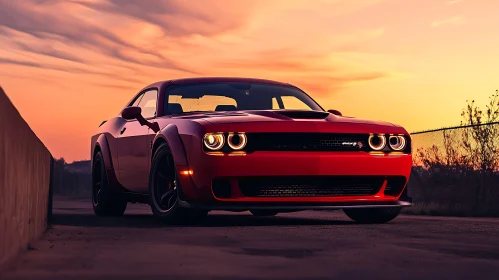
134,146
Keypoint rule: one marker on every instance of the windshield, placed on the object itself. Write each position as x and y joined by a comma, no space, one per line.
235,96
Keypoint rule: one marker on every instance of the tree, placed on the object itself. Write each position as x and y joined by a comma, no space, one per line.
476,149
480,139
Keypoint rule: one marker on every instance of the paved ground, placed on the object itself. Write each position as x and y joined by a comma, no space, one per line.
303,245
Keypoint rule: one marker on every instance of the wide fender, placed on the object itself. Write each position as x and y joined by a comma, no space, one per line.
170,134
103,144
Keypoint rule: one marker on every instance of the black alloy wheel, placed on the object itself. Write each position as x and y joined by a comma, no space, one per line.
105,202
164,190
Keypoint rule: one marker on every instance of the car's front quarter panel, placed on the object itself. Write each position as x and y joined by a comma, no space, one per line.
182,137
104,139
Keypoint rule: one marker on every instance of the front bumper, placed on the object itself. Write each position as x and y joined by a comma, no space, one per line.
197,189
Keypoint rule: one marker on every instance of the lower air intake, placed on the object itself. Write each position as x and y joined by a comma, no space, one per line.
310,186
395,185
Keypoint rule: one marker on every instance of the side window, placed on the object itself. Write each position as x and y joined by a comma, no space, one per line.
136,102
148,103
275,104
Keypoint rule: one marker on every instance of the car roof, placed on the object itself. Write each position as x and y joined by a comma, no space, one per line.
215,80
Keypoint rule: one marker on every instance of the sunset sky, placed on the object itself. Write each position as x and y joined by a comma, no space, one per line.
69,65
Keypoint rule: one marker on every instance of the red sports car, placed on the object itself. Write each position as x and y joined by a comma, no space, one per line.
189,146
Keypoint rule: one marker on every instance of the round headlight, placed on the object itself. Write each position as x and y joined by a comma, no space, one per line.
214,141
237,141
377,142
397,142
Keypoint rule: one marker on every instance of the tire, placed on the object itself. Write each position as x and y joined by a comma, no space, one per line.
163,191
373,215
263,213
105,202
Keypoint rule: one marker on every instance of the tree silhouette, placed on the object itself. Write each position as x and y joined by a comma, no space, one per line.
463,171
474,146
480,138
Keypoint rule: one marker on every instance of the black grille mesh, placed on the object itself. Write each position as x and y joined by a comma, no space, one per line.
306,186
306,142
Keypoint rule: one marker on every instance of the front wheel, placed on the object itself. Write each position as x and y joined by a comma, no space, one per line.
372,215
105,201
163,190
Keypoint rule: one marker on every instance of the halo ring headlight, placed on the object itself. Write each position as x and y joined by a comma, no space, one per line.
377,142
214,141
397,142
243,140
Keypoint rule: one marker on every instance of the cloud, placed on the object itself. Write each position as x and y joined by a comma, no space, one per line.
457,20
41,23
48,50
138,43
18,62
324,74
45,21
114,86
103,51
179,17
452,2
67,69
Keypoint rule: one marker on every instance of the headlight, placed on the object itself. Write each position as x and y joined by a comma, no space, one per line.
397,142
377,142
214,141
237,141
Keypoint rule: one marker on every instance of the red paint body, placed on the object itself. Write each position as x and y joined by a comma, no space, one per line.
128,156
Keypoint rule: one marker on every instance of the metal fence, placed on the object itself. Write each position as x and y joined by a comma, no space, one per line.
479,144
455,170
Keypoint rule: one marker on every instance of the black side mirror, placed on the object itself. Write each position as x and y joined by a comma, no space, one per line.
335,112
134,112
131,113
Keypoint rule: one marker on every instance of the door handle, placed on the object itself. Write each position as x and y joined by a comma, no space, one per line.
123,130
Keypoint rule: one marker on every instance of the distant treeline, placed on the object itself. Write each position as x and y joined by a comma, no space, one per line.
72,179
448,192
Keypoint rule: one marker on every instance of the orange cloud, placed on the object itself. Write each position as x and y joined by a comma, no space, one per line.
457,20
452,2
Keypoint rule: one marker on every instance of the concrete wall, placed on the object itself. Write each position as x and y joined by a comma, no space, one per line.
25,174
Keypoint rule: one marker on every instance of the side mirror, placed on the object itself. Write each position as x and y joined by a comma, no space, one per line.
335,112
134,112
131,113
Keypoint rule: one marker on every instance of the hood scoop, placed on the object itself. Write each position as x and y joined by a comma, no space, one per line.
304,114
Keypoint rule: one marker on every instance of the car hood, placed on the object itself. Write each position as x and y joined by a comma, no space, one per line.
277,116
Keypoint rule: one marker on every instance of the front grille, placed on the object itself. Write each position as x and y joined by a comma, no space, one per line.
307,186
306,142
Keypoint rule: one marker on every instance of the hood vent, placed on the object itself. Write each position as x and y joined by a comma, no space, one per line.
304,114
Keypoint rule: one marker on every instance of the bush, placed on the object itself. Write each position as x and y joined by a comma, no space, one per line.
459,176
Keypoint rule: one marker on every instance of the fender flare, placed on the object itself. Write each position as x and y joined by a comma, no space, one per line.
171,136
103,145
